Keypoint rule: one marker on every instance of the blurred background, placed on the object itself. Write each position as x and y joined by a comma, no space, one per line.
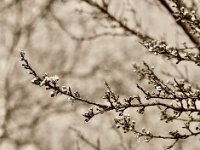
77,42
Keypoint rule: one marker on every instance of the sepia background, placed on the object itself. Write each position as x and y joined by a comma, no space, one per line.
73,40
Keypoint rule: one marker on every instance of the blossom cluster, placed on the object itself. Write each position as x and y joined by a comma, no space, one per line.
183,15
179,54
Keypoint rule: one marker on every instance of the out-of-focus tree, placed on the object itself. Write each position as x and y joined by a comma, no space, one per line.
49,30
